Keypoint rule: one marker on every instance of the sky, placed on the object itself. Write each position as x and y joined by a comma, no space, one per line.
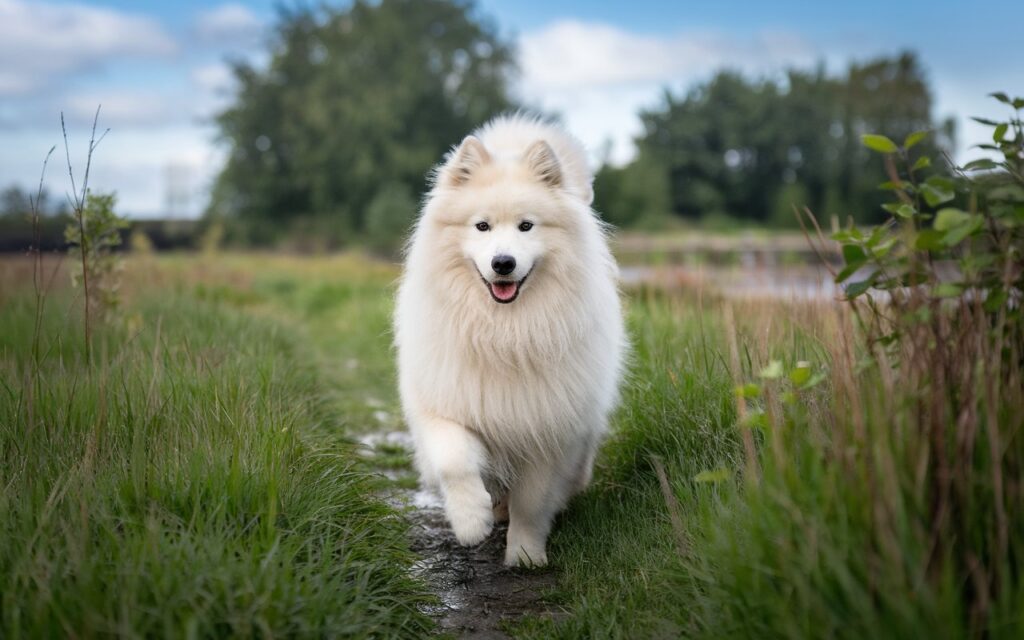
160,70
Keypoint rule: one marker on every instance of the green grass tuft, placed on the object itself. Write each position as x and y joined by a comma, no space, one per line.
195,482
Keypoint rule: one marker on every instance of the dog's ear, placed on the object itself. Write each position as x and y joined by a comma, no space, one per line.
470,156
541,159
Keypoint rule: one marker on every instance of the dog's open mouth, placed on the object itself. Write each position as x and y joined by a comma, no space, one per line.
504,292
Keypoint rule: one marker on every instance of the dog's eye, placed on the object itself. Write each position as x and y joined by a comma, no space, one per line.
525,226
483,226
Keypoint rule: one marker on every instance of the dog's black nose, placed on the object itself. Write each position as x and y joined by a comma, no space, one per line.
503,265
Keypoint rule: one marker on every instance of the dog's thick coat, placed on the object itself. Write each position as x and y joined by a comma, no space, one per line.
509,332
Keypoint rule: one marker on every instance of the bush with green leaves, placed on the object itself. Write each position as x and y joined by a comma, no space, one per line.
932,380
955,234
92,237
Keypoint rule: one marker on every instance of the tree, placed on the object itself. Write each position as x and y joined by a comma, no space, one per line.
632,196
753,149
353,100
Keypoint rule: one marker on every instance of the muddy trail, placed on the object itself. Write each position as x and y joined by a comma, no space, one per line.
478,597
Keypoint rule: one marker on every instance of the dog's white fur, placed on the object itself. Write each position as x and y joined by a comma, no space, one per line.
509,397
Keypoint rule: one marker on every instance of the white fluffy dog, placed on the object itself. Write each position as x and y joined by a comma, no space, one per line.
509,332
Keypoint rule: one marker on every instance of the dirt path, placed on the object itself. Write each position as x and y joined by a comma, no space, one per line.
478,596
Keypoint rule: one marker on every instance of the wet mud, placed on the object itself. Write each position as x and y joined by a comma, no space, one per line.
477,596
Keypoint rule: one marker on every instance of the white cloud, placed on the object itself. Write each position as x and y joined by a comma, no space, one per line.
121,108
570,54
228,23
214,78
599,76
41,42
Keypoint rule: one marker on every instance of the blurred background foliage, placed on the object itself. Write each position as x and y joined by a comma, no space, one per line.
354,108
748,150
331,142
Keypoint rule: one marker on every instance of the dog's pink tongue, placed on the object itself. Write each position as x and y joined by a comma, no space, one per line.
504,290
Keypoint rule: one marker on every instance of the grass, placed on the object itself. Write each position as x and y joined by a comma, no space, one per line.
195,482
831,532
201,479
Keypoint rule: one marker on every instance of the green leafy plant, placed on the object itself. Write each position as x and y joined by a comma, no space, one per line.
92,233
936,291
92,239
954,234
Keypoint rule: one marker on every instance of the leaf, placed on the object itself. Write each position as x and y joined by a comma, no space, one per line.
893,185
929,240
1018,103
995,300
975,262
853,254
878,143
921,163
900,209
942,182
772,371
1001,97
981,164
855,289
914,138
950,217
755,420
882,249
801,373
815,380
1017,212
947,290
847,272
876,236
935,196
985,121
714,476
1008,192
749,390
955,235
997,135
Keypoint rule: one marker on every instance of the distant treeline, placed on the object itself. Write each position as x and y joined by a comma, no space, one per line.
18,234
334,137
736,149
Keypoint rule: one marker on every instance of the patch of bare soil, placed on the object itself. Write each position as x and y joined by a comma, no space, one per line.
478,596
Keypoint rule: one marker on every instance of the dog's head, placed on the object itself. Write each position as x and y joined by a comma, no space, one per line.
507,216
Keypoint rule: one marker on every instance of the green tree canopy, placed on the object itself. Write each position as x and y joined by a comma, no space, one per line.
354,102
751,149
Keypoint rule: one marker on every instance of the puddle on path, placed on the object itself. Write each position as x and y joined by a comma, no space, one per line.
477,594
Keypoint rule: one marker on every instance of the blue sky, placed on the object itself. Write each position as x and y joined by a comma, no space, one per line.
159,70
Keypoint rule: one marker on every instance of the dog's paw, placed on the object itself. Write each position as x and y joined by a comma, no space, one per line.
521,556
472,523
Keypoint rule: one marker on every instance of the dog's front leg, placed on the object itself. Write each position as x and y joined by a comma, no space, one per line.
458,458
533,501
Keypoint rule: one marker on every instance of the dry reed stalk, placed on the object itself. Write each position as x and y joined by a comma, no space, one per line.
675,512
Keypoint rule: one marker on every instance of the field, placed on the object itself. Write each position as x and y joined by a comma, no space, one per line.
208,473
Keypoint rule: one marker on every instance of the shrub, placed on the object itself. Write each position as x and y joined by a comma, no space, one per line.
927,391
92,236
